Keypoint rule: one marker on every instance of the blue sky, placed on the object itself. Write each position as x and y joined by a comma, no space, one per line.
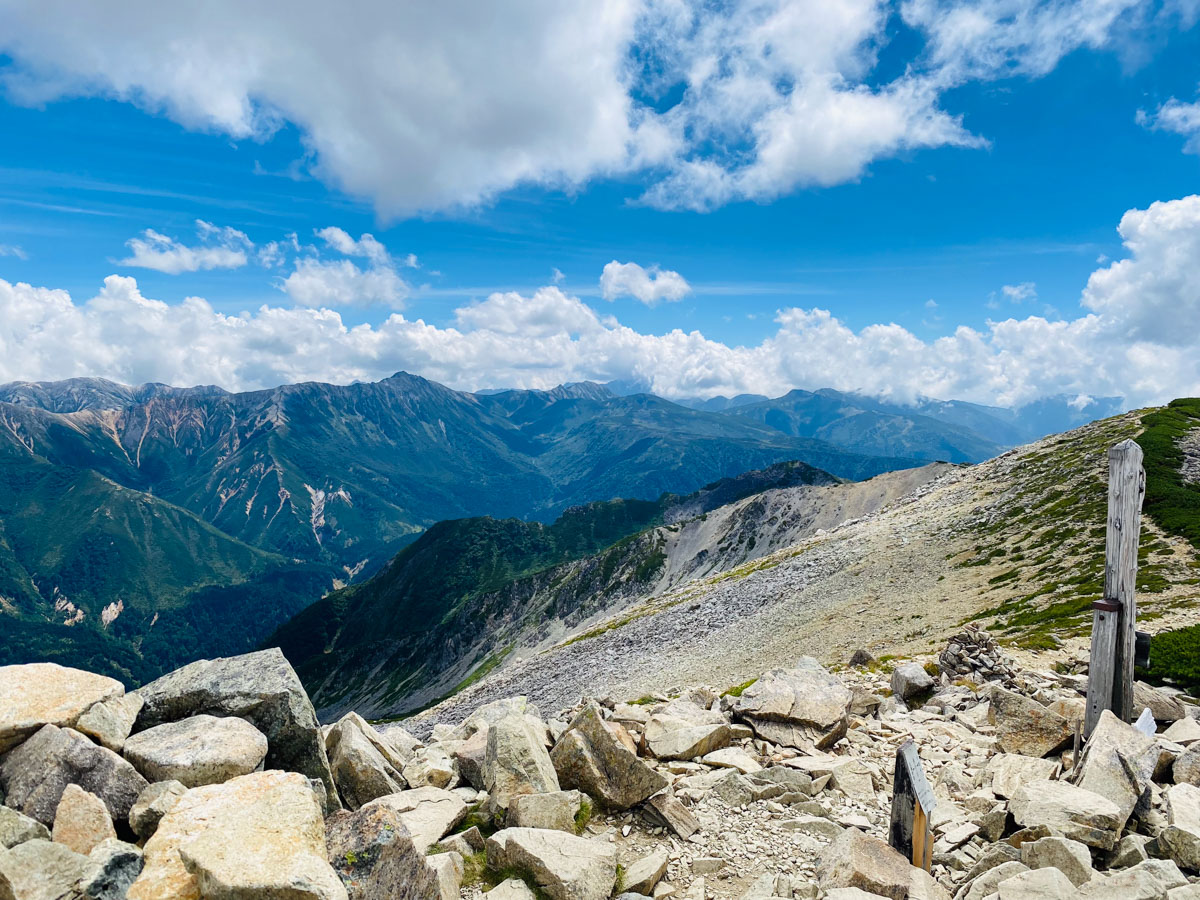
1033,161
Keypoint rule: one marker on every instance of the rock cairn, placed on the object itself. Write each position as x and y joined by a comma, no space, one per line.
217,781
973,652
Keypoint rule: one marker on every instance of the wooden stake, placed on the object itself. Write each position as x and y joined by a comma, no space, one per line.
1114,617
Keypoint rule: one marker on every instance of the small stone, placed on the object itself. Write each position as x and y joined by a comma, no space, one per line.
115,865
16,828
643,875
81,821
707,865
732,758
152,804
910,680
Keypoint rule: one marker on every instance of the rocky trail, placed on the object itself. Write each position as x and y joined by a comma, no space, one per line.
216,781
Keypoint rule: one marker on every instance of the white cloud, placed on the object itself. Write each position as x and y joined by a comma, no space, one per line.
13,250
1177,117
366,245
447,105
646,285
219,248
316,282
1019,293
1138,338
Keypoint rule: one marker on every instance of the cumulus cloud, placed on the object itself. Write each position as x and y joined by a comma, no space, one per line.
318,282
219,248
446,106
648,286
1138,337
1177,117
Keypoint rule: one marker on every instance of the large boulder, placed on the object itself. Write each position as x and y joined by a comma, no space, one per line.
1118,763
40,694
1181,838
1071,858
1162,706
198,750
516,761
35,774
643,875
591,757
261,688
255,836
1025,726
42,870
152,804
403,744
428,813
364,765
1008,771
82,821
1070,811
858,860
1036,884
374,856
1186,769
802,707
430,767
555,809
564,866
675,737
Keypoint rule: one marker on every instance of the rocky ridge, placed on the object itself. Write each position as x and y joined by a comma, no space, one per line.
217,782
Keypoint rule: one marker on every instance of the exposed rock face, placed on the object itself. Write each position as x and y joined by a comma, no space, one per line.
258,835
374,856
35,774
364,764
261,688
1024,725
111,721
801,708
428,813
40,694
1071,811
81,821
857,860
564,866
590,757
198,750
516,761
152,804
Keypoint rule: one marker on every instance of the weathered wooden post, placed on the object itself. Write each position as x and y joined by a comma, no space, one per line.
1114,616
912,803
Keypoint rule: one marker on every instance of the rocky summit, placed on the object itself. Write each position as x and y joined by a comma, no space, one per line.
222,784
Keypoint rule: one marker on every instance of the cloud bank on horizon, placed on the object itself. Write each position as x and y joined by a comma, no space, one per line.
1138,337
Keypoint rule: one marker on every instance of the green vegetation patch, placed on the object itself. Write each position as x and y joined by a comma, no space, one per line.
1175,658
1171,502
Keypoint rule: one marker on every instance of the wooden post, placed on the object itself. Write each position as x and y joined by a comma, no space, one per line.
912,802
1114,616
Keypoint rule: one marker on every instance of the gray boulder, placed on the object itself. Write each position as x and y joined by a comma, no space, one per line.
911,680
81,821
1068,810
1036,884
1186,769
16,828
110,722
591,757
114,867
858,860
364,765
373,854
566,867
643,875
449,869
198,750
261,688
1165,708
1118,763
1024,725
35,774
428,813
801,708
1071,858
42,870
1181,838
516,761
556,810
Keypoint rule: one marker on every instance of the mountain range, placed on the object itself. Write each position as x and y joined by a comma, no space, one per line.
145,526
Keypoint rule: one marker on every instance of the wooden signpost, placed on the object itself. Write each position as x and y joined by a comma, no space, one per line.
1114,616
912,804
